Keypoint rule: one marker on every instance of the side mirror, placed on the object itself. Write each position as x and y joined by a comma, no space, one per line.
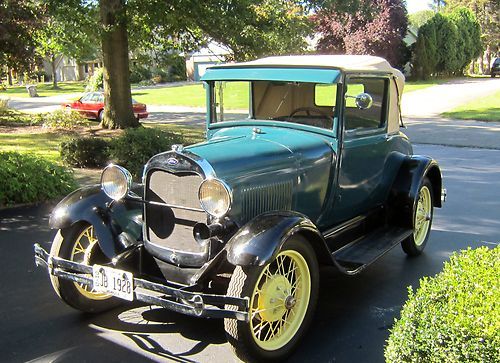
364,101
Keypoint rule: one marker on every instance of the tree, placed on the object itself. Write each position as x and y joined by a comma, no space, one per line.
425,54
419,18
68,29
20,19
437,5
249,28
446,44
487,13
368,27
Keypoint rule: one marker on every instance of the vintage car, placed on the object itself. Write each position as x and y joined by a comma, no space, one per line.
304,165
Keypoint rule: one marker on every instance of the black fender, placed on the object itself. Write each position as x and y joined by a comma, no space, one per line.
261,239
404,191
117,224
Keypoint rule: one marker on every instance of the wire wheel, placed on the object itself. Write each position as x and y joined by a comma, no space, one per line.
85,245
282,297
79,243
422,221
280,300
422,216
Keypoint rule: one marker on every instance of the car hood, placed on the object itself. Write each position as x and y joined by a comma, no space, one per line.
239,153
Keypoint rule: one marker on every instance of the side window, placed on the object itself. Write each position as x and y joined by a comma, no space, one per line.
95,97
100,99
325,94
86,98
373,117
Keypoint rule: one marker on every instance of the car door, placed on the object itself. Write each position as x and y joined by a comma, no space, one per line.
364,148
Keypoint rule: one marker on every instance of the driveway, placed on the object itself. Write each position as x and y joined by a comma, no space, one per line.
351,323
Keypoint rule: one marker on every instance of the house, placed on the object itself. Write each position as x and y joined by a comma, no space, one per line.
68,69
198,62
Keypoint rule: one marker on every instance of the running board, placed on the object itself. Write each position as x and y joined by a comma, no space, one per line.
357,255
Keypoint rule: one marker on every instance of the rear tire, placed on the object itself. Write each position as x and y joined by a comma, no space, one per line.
282,296
422,221
78,243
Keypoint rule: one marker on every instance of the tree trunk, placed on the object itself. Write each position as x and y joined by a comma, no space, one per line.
488,59
9,76
54,75
481,63
117,96
471,66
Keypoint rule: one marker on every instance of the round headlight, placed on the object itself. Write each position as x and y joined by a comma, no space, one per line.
215,198
115,181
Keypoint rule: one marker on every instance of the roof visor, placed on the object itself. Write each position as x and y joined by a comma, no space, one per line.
303,74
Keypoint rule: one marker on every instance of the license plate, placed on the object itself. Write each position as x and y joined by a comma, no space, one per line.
113,281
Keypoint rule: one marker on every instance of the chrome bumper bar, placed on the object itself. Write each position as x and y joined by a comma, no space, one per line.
167,295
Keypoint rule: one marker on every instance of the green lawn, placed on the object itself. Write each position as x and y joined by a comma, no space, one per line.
482,109
418,85
44,144
44,89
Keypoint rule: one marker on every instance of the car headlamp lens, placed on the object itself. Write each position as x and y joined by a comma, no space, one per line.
215,198
115,181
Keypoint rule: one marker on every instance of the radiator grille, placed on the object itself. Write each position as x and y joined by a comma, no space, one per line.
169,226
264,198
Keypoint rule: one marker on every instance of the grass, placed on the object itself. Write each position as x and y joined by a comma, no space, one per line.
481,109
44,89
45,144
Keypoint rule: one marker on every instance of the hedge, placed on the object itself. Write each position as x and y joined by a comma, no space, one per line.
454,316
28,179
85,152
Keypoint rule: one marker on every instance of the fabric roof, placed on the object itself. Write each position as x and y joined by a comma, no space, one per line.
356,63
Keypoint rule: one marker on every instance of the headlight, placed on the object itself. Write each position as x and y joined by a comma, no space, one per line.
115,181
215,197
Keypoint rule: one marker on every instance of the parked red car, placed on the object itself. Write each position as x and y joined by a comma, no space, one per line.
91,105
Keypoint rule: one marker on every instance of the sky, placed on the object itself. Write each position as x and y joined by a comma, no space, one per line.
417,5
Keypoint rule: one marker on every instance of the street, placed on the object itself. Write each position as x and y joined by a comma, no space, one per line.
351,323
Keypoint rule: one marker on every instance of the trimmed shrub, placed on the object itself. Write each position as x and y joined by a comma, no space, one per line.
64,119
27,178
136,146
84,152
454,316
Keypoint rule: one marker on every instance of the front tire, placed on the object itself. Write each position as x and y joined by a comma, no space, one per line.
100,116
422,221
79,244
282,296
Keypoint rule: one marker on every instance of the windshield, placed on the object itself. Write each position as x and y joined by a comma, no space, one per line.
304,103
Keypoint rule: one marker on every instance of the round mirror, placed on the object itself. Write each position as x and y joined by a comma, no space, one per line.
364,101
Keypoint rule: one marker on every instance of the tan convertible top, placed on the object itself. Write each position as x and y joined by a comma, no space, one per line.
355,63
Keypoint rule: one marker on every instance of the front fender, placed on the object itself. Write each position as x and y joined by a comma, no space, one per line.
260,240
117,224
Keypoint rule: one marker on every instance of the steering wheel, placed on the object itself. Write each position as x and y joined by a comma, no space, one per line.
308,111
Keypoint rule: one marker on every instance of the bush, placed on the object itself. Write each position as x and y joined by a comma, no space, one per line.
138,74
29,179
454,316
64,119
159,76
136,146
95,82
85,152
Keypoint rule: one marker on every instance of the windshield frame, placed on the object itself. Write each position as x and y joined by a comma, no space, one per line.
250,120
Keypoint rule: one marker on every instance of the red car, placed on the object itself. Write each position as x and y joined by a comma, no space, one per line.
91,105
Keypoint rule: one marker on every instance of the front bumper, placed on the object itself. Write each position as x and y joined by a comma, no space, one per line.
167,295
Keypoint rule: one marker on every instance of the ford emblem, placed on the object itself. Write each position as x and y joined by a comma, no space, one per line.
172,161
